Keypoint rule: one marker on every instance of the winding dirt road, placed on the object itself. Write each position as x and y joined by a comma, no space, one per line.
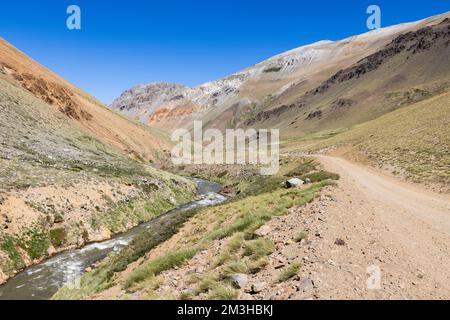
387,225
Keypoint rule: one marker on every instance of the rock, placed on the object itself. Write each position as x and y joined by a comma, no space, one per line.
294,182
257,287
307,180
239,280
279,264
339,242
228,192
88,269
305,285
263,231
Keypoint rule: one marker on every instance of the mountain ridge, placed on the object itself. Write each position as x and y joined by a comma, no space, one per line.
234,96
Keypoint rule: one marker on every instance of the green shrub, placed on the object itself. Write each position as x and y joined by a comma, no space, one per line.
57,237
160,264
36,244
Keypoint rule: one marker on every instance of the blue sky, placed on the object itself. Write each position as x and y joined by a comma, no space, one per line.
124,43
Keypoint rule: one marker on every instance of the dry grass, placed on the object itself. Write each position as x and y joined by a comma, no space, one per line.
412,142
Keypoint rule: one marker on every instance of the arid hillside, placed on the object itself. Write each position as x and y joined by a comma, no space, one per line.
138,141
72,171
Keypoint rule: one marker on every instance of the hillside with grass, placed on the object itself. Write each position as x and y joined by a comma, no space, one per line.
200,257
63,182
411,142
132,138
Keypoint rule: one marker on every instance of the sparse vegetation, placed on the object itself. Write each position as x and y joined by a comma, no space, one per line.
36,244
320,176
411,142
155,267
58,236
258,248
223,292
289,272
302,235
8,245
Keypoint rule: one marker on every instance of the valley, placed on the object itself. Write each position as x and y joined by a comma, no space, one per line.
359,209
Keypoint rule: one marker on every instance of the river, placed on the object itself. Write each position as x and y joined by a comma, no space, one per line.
42,281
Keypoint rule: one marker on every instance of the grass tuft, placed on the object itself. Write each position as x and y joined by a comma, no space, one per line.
302,235
223,292
289,272
259,248
155,267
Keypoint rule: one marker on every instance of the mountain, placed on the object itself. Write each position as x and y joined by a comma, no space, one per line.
326,95
72,170
109,127
380,99
296,84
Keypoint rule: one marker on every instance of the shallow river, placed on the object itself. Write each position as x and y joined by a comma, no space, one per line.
41,281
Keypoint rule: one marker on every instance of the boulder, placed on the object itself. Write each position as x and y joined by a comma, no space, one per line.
293,183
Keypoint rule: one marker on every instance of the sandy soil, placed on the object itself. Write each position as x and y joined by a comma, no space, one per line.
386,224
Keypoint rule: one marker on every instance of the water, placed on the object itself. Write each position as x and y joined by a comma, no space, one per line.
42,281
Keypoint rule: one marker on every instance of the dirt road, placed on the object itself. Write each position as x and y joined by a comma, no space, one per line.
387,226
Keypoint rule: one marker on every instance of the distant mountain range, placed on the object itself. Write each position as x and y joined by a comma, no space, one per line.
325,85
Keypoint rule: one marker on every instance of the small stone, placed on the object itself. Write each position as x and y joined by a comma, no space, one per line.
305,285
339,242
263,231
258,287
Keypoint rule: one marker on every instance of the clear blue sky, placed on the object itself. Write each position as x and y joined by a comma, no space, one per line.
124,43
